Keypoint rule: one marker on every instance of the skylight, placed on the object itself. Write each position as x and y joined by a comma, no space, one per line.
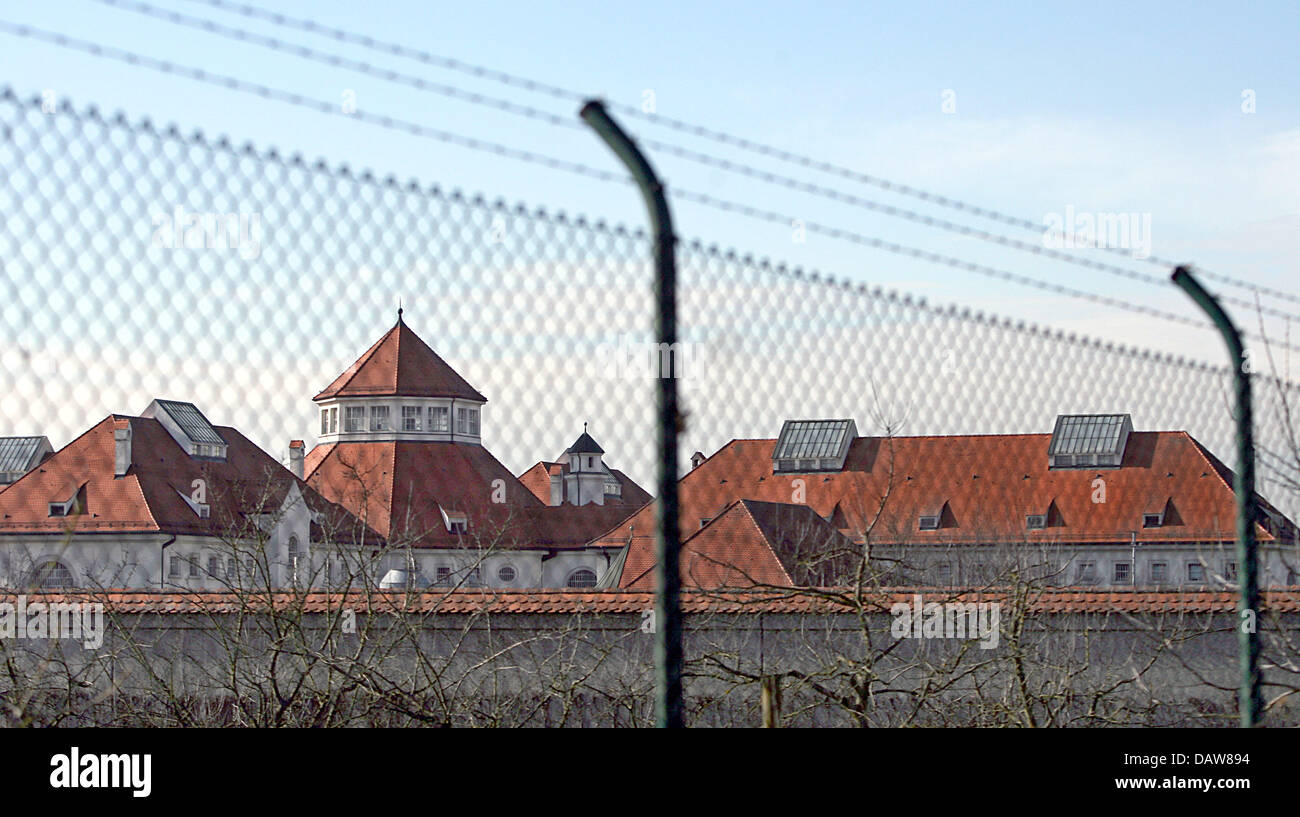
1084,440
19,454
813,445
189,428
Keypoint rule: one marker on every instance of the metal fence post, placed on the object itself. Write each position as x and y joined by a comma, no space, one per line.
668,621
1250,704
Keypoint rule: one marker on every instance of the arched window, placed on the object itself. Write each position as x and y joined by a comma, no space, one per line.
582,577
52,575
295,552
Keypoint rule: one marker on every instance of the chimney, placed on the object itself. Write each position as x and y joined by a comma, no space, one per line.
296,452
121,447
697,459
557,485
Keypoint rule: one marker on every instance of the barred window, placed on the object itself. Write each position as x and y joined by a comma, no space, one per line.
52,575
582,577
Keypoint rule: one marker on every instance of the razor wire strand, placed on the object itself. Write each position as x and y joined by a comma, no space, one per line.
721,137
575,167
698,157
533,157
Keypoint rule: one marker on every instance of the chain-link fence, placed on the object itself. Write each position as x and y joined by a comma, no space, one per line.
141,262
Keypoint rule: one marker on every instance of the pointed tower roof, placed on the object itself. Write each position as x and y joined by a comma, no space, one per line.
585,444
400,364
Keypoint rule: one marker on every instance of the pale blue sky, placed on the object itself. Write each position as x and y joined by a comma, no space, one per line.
1104,107
1115,107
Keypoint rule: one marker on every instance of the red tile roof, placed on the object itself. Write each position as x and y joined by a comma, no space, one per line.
732,550
570,602
400,364
988,483
151,496
401,489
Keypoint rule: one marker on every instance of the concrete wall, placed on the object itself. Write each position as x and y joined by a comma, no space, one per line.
596,669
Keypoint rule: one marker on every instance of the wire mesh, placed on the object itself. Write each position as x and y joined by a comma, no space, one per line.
144,263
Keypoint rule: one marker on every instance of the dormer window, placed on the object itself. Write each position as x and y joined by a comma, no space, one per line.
456,521
1153,520
813,445
68,507
929,522
201,509
1036,521
1089,440
189,428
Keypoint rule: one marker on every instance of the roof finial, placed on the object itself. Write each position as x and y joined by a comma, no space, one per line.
584,428
399,310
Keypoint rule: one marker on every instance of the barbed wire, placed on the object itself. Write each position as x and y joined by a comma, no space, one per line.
337,61
707,250
474,143
701,131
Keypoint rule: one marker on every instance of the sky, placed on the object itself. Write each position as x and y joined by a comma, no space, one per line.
1185,115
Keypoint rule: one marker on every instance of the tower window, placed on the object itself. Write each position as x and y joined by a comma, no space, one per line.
379,418
467,421
355,419
439,418
411,418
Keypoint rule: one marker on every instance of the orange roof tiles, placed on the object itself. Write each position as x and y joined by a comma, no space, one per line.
986,484
151,496
400,364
